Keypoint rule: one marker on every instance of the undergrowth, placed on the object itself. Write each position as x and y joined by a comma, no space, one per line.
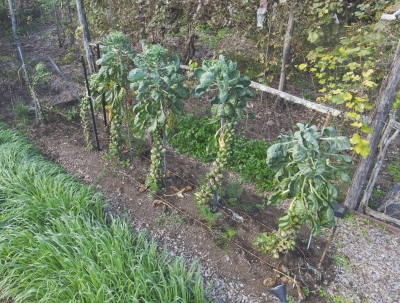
248,157
57,245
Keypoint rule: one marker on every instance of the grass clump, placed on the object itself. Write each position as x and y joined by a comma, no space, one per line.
248,157
57,245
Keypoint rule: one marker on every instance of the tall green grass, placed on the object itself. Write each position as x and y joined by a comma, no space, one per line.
56,244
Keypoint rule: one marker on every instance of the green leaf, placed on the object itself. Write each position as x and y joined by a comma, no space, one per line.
198,72
320,166
338,99
299,153
305,169
277,197
345,177
312,37
136,75
206,79
223,95
182,91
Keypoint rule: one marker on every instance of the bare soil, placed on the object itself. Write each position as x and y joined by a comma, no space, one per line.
240,266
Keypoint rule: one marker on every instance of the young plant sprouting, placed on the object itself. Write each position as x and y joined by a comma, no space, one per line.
111,80
157,85
306,165
228,106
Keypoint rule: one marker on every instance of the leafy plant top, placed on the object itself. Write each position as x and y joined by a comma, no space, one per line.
230,101
157,84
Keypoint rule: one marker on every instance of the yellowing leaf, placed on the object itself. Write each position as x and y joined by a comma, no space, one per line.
322,81
367,73
361,146
302,66
369,83
322,90
353,115
347,96
350,104
356,124
313,69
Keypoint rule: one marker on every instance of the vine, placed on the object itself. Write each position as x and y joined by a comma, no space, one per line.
307,164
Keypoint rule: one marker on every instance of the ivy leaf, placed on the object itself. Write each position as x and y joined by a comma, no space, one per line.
338,99
312,37
361,146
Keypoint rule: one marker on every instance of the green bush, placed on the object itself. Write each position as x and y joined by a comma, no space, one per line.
247,157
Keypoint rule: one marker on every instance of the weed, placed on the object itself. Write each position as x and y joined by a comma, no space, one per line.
71,114
394,168
101,175
306,291
233,192
350,217
291,299
214,40
22,111
172,219
247,157
340,246
260,206
225,238
376,193
343,261
209,216
324,294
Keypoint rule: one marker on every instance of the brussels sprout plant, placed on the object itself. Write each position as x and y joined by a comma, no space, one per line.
307,164
111,80
228,106
157,85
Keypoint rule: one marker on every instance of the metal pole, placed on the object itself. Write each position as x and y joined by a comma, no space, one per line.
309,242
91,103
103,97
65,79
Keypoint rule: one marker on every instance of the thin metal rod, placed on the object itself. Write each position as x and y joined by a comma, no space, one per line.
103,97
91,103
309,242
65,79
